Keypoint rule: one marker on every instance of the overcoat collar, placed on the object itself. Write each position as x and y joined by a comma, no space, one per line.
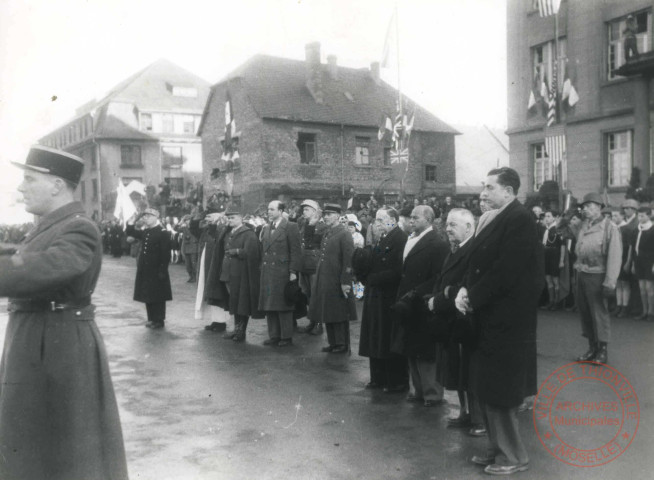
46,221
278,231
454,258
422,244
495,222
390,236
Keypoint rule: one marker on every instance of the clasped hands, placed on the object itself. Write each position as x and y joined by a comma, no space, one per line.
462,302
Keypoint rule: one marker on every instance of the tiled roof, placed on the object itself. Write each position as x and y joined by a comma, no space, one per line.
277,89
112,127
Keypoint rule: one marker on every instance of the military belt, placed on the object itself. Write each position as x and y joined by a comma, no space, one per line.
47,305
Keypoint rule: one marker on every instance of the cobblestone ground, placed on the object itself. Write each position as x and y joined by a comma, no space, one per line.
195,406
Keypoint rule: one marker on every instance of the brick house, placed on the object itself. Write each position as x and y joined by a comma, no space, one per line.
607,131
309,130
144,129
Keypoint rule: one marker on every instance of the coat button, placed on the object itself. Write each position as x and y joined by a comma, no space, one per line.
477,271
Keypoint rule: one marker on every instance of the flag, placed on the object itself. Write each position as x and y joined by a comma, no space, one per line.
569,93
555,149
230,143
548,7
551,104
124,208
409,125
400,156
532,100
386,125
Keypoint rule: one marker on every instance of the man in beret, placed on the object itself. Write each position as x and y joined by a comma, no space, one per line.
599,258
58,414
332,302
152,283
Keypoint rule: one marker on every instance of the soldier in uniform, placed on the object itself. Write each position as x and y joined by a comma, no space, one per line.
280,241
189,249
311,233
58,414
152,284
332,303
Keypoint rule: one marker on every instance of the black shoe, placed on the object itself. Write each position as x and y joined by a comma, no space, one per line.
216,327
462,421
271,342
589,355
238,337
396,389
327,349
602,355
286,342
339,349
373,386
149,324
156,325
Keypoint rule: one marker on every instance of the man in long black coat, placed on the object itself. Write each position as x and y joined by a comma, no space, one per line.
501,290
423,257
58,413
387,369
152,284
457,335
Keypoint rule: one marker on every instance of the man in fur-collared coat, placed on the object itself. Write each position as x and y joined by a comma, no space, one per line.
332,303
281,262
58,414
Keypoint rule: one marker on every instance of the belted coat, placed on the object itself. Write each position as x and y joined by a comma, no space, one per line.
58,414
504,281
281,255
243,271
152,283
328,304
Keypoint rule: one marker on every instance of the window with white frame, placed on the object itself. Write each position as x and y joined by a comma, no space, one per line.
619,158
617,32
362,151
542,165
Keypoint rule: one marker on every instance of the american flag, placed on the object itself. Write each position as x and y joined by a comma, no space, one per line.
551,110
556,151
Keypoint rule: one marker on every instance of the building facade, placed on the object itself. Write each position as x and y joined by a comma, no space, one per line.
145,129
599,120
310,130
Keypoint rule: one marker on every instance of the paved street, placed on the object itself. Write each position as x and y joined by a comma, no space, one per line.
195,406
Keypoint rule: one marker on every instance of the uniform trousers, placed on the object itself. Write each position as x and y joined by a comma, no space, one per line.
307,285
595,319
389,372
423,379
504,441
191,261
280,324
338,333
156,312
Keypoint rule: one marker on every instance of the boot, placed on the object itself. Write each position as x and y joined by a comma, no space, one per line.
241,327
602,355
590,354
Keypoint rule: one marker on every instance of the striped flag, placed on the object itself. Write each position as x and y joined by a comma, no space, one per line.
230,143
551,104
400,156
556,151
548,7
386,125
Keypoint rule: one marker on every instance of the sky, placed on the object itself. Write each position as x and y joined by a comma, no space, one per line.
452,53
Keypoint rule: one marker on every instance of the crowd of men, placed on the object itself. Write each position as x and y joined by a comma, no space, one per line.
450,301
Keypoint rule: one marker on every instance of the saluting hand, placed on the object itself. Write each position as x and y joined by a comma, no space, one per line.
346,290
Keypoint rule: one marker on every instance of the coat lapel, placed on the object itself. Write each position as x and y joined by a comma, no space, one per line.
274,234
453,259
494,223
422,243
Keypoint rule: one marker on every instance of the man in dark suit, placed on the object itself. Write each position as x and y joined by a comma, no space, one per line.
387,369
422,260
281,262
501,291
152,283
458,338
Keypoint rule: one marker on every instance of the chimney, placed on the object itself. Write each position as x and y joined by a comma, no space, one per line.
314,71
374,72
333,67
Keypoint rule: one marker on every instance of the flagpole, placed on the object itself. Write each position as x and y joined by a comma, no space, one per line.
400,106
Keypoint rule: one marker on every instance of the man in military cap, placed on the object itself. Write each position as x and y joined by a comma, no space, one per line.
332,302
241,272
152,283
312,229
58,414
599,257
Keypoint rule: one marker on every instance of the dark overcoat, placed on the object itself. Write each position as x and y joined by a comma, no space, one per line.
58,414
458,339
381,285
503,280
152,282
211,245
243,272
281,255
411,335
328,304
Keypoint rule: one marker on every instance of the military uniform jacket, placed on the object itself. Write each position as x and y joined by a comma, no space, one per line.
280,256
152,282
189,241
243,271
58,413
328,304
